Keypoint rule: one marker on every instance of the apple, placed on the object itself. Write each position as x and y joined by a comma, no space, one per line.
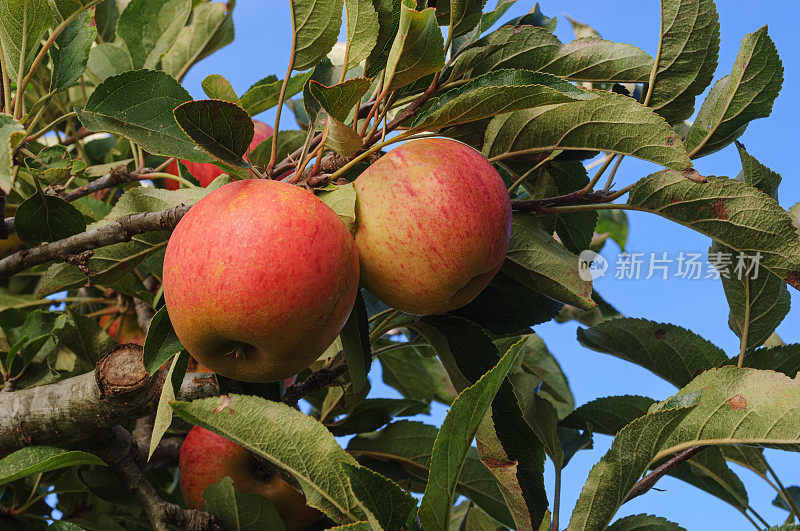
433,225
259,278
205,172
125,328
207,457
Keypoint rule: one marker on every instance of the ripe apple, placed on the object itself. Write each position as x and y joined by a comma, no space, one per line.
259,278
207,457
205,172
434,224
125,328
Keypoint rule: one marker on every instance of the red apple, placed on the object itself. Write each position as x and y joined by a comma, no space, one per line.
125,328
205,172
207,457
434,224
259,278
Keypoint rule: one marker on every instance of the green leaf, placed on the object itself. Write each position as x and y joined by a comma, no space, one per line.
581,29
540,362
150,27
106,15
362,32
392,506
409,444
138,105
708,471
388,23
86,339
495,93
11,132
735,406
342,200
460,15
315,24
574,229
264,427
687,57
597,60
608,415
489,18
342,138
520,47
417,50
356,346
46,218
70,52
417,374
794,493
209,29
217,87
507,444
614,476
669,351
453,442
613,224
222,129
108,59
22,26
240,511
782,358
264,94
608,122
758,299
540,414
161,342
539,262
374,413
163,418
144,199
341,99
640,522
506,307
745,95
63,525
39,459
288,142
730,212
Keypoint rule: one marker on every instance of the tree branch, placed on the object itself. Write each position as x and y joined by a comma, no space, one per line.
118,449
647,482
73,410
119,231
315,381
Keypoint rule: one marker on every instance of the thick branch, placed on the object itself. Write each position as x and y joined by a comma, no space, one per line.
119,231
73,410
118,449
647,482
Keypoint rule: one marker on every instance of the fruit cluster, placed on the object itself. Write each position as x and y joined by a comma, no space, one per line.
260,276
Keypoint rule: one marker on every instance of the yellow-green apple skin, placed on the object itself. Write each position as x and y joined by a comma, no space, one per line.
207,457
259,278
433,225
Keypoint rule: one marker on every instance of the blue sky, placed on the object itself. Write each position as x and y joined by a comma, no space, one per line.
261,48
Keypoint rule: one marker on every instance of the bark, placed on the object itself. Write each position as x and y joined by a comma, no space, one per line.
73,410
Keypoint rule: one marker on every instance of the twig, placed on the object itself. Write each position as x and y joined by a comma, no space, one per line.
119,451
647,482
119,231
316,381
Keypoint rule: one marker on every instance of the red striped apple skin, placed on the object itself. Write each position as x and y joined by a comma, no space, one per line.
259,278
433,225
205,172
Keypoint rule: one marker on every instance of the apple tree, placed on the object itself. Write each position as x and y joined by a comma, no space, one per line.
191,300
